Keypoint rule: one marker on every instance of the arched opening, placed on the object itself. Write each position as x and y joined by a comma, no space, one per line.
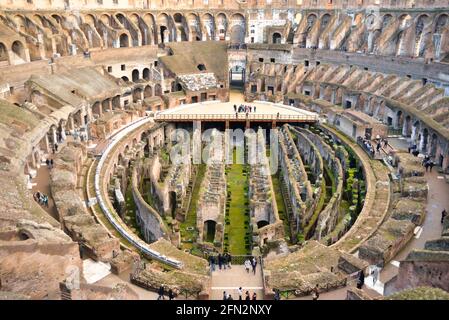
135,75
182,33
222,26
173,204
116,102
201,67
440,23
23,235
399,120
425,138
209,230
237,34
37,98
237,76
146,74
163,30
19,50
125,78
277,38
124,40
433,145
157,90
106,105
407,131
177,17
420,35
137,94
148,92
96,108
178,87
262,223
3,53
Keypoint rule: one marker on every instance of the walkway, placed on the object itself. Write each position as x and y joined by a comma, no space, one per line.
431,228
41,183
230,280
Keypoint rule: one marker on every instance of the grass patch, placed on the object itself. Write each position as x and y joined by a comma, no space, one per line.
237,184
188,227
130,215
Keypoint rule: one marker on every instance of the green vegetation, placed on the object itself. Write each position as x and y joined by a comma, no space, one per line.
130,215
237,238
188,228
282,210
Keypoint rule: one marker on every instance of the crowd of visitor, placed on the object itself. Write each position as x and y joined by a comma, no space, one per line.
248,295
222,260
244,108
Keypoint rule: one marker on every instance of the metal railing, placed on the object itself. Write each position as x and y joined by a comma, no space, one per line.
295,293
239,116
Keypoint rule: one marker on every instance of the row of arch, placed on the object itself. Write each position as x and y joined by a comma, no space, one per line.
386,34
53,33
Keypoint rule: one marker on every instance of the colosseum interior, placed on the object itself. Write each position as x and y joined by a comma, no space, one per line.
150,144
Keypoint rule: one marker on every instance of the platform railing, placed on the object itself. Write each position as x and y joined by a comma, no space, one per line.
238,116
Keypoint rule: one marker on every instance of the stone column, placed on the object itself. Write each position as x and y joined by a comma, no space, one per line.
404,128
413,136
55,137
421,143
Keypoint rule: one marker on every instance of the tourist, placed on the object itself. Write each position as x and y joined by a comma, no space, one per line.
225,296
247,265
56,147
431,164
230,297
212,263
47,162
277,116
385,143
254,296
161,293
247,297
240,291
45,201
427,165
315,293
375,274
361,280
254,265
37,197
228,259
235,108
220,261
378,147
51,163
277,294
254,109
250,108
171,296
443,215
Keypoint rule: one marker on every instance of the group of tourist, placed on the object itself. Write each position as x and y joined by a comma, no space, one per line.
55,148
49,163
251,264
161,293
248,296
367,145
222,260
427,163
41,198
244,108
